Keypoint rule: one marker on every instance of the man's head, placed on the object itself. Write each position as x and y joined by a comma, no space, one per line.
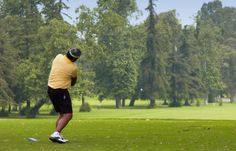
73,54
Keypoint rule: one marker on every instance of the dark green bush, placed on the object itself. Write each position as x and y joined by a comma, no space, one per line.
24,111
220,102
3,114
175,104
198,103
53,112
85,107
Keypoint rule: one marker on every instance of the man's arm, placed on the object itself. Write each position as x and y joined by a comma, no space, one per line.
73,81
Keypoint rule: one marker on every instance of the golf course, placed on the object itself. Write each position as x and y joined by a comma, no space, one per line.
204,128
118,75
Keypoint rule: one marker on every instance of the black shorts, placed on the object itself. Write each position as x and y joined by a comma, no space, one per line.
60,99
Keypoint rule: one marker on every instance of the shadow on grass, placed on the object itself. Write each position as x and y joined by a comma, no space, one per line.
127,107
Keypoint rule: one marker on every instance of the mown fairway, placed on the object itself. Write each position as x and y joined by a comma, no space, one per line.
160,129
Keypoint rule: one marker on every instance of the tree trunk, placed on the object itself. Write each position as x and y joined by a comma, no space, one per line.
193,101
20,105
27,104
152,103
33,111
3,108
60,7
206,100
132,101
211,97
9,108
165,102
117,102
123,102
14,107
233,98
83,100
186,103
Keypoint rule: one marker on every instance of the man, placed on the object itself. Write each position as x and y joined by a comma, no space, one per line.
62,76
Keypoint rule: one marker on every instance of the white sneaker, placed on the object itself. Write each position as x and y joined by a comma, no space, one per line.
55,134
66,140
55,137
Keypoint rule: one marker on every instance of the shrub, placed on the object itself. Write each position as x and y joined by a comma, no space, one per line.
3,114
175,104
198,103
85,107
24,111
220,102
53,112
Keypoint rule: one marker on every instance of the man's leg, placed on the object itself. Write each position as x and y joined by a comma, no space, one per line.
59,118
62,121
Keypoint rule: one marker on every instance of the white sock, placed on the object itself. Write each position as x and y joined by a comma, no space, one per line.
56,134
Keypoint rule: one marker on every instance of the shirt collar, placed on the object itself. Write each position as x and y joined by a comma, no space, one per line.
67,59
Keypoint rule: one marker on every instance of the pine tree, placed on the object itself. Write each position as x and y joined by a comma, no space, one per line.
150,74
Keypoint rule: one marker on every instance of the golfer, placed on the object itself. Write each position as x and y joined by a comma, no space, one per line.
62,76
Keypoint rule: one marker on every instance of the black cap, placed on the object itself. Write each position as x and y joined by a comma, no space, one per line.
74,52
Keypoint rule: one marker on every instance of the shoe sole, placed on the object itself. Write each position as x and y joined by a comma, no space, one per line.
55,140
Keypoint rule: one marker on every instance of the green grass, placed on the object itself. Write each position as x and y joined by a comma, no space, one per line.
210,112
205,128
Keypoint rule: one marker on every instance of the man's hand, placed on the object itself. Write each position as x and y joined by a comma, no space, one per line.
73,81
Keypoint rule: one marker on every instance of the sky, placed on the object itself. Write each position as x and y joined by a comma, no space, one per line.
186,9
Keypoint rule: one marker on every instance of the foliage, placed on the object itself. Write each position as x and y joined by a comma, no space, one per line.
104,29
168,35
85,83
209,37
24,111
124,74
53,9
157,59
85,107
4,114
122,8
220,102
53,112
7,57
198,103
149,65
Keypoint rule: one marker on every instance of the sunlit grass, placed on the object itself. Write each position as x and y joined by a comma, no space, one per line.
204,128
120,135
107,109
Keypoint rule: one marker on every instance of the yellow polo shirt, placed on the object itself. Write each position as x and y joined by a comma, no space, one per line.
62,70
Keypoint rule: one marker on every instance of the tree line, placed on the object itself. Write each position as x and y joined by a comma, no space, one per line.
159,59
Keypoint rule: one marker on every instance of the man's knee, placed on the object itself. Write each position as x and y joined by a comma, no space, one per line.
68,116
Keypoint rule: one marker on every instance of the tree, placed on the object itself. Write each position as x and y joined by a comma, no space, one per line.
23,19
30,20
124,76
209,37
53,9
123,8
105,29
8,59
186,82
168,34
224,18
210,8
56,37
85,81
136,42
229,68
211,60
152,78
